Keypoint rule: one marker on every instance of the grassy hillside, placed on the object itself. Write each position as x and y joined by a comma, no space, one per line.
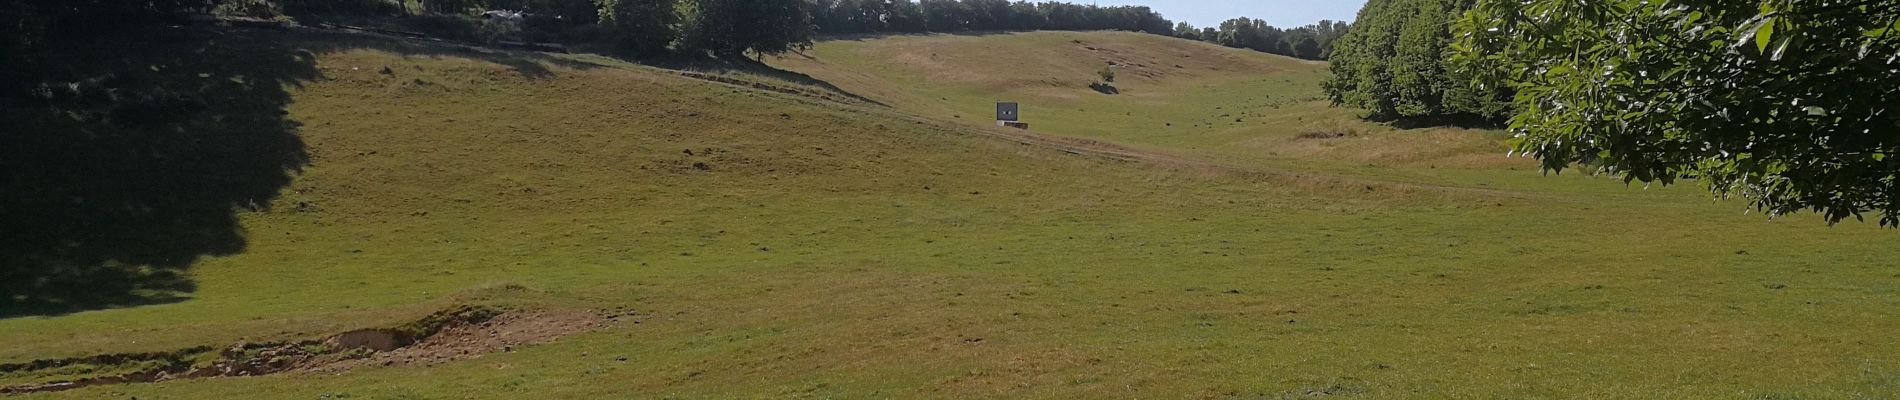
1175,95
766,244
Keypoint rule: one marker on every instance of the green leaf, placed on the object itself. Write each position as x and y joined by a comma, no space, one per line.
1764,34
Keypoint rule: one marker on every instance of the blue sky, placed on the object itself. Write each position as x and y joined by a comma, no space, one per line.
1281,13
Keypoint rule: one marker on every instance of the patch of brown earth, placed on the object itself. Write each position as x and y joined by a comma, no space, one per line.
464,341
443,337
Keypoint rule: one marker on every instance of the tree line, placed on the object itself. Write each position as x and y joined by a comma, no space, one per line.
1395,63
1312,42
630,27
906,16
724,27
727,28
27,23
1791,104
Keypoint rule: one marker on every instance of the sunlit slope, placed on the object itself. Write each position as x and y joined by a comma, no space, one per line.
961,76
1174,95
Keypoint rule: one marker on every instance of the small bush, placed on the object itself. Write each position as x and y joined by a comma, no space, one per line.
1105,81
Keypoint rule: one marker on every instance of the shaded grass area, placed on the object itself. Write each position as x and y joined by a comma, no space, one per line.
772,246
126,161
123,163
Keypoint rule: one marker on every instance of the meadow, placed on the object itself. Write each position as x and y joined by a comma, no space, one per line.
893,243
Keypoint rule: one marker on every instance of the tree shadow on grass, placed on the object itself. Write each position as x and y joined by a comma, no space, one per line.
1463,121
126,157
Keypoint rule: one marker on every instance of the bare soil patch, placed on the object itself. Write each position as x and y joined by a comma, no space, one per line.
456,334
504,332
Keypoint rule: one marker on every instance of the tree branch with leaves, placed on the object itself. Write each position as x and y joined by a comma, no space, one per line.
1790,104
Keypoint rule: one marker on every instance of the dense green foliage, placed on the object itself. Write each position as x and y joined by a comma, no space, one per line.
651,27
1248,33
25,23
906,16
1788,103
1394,64
631,27
733,27
1312,42
1187,31
640,27
1306,47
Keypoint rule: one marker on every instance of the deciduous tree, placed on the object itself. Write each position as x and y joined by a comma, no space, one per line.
640,27
1792,104
1393,63
730,28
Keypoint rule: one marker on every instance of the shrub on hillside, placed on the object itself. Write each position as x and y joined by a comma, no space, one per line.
1105,81
730,28
1307,48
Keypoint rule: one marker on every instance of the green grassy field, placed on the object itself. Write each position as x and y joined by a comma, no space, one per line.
777,245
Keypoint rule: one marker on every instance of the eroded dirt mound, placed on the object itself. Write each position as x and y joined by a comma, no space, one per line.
451,335
462,341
